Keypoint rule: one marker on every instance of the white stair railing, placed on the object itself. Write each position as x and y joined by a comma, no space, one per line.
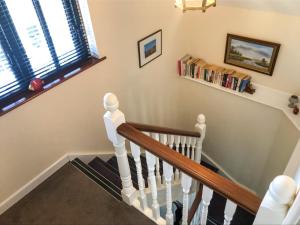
281,204
113,118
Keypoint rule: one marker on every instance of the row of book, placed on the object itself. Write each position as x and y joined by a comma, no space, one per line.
198,69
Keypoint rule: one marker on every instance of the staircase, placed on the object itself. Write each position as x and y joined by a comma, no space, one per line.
106,174
160,180
165,160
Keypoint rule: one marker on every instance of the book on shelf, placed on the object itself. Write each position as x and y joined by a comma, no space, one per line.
182,63
198,69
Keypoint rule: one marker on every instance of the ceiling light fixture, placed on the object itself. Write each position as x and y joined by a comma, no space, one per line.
195,4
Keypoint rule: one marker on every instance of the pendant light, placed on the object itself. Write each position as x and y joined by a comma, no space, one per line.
195,4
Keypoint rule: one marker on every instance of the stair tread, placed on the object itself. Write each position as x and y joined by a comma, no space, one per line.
216,208
209,166
216,212
70,197
98,178
114,163
99,165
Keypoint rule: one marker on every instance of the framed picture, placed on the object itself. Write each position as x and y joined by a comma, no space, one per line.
150,48
251,54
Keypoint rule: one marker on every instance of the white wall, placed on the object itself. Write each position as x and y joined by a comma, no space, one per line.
68,118
239,137
246,138
208,39
284,143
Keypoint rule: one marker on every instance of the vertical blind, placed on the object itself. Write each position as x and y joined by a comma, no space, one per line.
38,39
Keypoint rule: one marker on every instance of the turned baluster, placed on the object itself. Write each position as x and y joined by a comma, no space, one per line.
177,145
183,143
230,209
186,182
164,140
206,198
168,173
170,140
151,161
113,118
188,146
194,142
155,136
136,153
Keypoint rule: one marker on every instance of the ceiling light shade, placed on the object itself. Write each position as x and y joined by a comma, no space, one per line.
195,4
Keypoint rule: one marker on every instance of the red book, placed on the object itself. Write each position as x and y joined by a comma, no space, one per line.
179,67
198,73
229,81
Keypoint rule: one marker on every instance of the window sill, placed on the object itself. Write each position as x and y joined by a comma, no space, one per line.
49,84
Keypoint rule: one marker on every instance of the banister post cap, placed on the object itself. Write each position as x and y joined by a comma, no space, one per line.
283,189
201,119
110,102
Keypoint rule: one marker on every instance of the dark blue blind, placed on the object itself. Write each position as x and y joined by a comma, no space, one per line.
38,38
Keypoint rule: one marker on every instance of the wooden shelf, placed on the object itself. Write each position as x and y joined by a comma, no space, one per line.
264,95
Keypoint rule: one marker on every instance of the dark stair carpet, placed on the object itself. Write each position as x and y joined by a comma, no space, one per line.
70,197
216,212
101,177
107,175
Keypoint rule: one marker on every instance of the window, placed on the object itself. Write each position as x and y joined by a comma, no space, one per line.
38,39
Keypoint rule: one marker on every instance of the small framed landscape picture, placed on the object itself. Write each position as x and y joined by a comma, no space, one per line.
150,48
252,54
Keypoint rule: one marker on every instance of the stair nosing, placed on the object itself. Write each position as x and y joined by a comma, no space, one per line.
101,183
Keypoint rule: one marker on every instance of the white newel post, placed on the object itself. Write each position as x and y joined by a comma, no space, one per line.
186,182
201,128
275,204
112,119
293,216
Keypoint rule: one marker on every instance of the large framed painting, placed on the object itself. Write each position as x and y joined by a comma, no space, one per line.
150,48
251,54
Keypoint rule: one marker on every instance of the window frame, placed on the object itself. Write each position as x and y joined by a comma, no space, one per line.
61,73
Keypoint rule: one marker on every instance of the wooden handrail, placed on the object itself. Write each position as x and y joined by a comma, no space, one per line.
228,189
195,204
163,130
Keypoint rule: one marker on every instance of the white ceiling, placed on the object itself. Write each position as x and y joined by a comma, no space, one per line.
291,7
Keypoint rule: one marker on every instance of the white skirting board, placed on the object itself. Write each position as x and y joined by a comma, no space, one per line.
32,184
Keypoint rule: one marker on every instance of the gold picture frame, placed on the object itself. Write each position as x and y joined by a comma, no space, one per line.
251,54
